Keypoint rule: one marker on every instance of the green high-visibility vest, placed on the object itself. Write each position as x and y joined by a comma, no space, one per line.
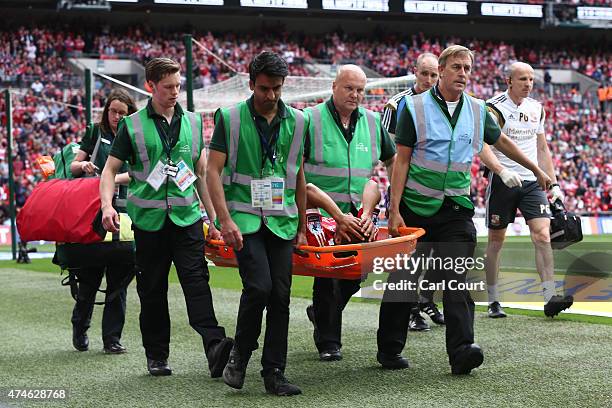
146,207
339,168
442,156
245,163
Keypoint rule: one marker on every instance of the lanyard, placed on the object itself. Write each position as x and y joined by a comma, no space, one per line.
268,148
163,135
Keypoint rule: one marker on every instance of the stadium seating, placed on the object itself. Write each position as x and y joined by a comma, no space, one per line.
35,62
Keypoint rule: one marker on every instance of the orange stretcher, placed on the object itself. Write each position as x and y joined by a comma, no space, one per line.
350,261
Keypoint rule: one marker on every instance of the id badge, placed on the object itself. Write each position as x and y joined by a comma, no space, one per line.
157,176
184,176
268,193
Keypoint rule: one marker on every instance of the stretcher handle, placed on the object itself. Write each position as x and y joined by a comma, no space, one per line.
405,232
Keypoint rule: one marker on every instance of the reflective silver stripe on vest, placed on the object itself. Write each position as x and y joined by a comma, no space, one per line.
340,197
426,191
287,211
294,149
298,137
462,167
196,136
373,136
141,149
237,178
457,191
476,136
318,135
335,172
419,111
172,201
419,160
121,202
234,137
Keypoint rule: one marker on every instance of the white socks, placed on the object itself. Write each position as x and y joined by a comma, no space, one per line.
492,291
548,288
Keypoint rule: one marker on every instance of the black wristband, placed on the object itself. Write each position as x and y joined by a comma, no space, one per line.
552,185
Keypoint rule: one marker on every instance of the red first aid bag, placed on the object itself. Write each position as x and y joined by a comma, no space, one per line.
61,210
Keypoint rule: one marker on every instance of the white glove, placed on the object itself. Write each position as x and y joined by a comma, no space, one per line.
511,178
556,193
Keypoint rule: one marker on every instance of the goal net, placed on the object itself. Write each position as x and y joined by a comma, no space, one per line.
299,92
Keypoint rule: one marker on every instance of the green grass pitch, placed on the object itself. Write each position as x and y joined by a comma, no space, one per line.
530,361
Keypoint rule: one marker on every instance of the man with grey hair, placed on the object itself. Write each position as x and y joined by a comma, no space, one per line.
426,76
437,136
522,119
345,142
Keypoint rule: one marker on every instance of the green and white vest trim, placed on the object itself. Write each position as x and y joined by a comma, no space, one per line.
339,168
244,164
148,208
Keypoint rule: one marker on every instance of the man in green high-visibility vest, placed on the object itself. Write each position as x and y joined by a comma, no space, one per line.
346,142
437,135
257,186
164,149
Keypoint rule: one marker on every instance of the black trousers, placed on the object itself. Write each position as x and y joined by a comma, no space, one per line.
329,298
451,233
113,316
265,265
155,251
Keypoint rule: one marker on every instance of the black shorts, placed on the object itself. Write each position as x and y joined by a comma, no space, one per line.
502,202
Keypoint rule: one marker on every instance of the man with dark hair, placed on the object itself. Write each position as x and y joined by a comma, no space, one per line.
164,149
258,189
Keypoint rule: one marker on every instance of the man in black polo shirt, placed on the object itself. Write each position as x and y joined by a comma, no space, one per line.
164,148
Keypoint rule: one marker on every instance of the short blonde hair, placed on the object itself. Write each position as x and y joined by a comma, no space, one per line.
452,51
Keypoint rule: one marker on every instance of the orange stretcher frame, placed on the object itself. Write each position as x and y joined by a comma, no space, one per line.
348,261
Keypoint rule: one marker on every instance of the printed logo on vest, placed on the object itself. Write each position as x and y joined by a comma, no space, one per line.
361,147
465,138
185,149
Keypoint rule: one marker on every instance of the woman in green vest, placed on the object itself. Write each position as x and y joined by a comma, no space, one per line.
89,161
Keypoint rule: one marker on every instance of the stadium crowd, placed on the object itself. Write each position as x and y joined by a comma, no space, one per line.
48,106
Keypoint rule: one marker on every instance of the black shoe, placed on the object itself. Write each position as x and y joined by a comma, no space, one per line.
235,370
158,368
496,311
431,309
218,355
417,322
80,341
277,384
556,304
392,361
330,355
114,348
468,359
